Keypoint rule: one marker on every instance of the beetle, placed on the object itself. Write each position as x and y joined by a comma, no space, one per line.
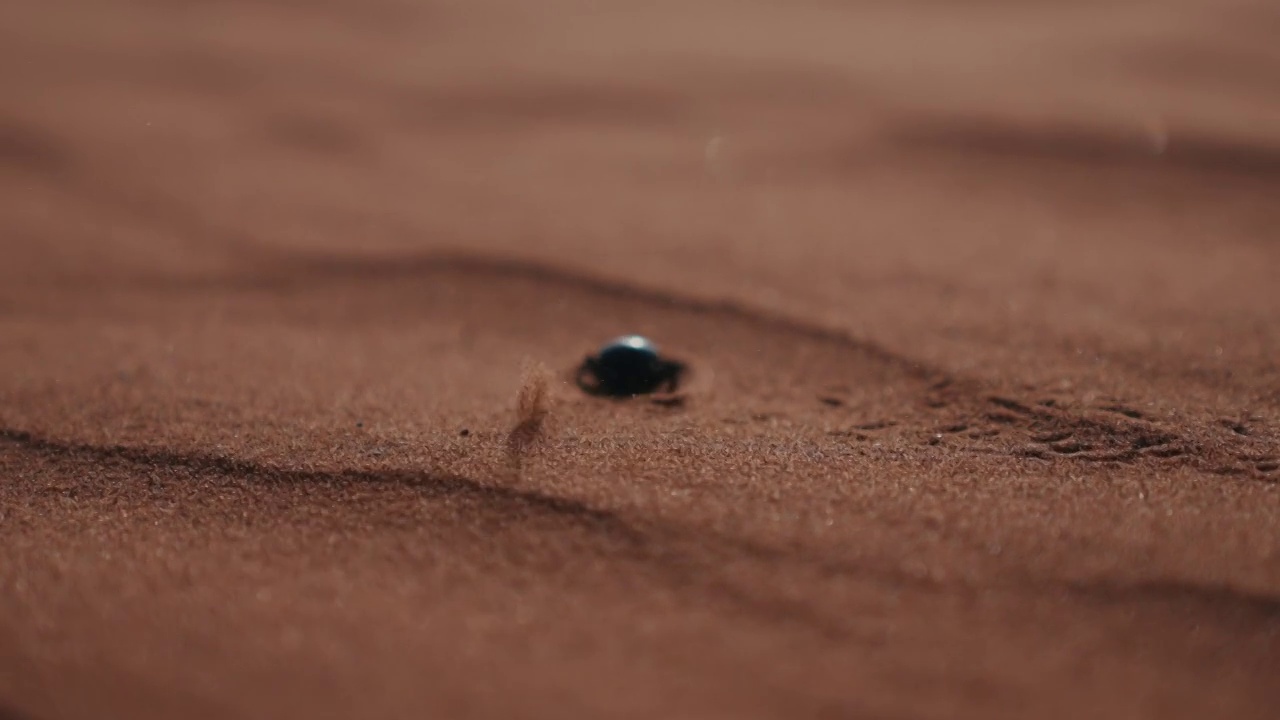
627,366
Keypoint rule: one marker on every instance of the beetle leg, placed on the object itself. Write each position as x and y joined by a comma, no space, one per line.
671,371
587,370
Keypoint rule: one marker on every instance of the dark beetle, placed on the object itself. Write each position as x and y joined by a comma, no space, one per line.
629,365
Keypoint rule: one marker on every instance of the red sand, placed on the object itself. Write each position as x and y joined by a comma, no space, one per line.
980,300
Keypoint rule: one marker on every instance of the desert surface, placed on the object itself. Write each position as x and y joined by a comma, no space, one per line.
979,301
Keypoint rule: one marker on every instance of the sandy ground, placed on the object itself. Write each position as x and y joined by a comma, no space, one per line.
979,298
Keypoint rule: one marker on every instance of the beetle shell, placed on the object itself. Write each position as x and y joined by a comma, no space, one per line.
629,365
629,343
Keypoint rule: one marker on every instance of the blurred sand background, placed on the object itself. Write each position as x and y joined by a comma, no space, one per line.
979,296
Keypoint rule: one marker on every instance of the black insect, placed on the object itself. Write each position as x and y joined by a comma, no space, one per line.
629,365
